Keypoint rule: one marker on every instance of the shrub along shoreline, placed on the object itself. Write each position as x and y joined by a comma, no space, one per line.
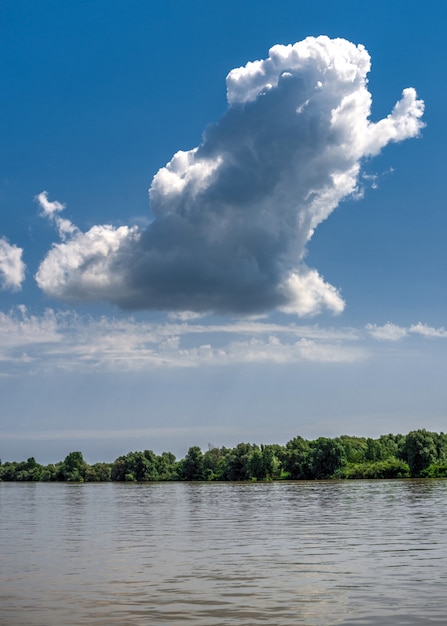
420,453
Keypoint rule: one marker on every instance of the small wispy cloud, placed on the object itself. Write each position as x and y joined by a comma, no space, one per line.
233,216
51,210
428,331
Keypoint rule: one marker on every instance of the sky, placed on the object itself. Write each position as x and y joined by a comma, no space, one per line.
219,222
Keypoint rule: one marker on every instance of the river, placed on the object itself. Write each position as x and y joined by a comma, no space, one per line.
345,553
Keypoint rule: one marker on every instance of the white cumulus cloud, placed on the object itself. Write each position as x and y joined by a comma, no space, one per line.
428,331
233,216
84,267
12,268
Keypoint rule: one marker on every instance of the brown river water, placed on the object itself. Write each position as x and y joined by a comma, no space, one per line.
342,553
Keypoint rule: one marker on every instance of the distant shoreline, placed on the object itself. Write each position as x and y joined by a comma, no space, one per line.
418,454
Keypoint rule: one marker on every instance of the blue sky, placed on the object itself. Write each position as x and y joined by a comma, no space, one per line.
209,314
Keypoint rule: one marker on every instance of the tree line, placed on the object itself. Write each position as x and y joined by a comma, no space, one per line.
420,453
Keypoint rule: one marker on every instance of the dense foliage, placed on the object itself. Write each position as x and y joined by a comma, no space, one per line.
420,453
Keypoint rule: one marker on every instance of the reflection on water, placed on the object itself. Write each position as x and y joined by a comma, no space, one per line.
316,553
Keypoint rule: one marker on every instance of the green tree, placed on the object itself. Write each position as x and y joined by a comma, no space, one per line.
420,450
49,473
8,471
296,461
119,468
326,457
212,463
135,467
73,468
236,463
166,466
355,448
28,470
256,466
193,465
441,446
98,472
388,468
150,472
435,471
264,463
374,451
391,445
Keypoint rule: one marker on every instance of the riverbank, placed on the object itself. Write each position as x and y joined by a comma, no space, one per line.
419,453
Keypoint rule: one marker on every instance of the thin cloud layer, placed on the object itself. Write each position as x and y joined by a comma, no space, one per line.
66,341
233,216
393,332
12,268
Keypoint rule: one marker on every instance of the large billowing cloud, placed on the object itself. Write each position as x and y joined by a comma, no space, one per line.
12,268
232,217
